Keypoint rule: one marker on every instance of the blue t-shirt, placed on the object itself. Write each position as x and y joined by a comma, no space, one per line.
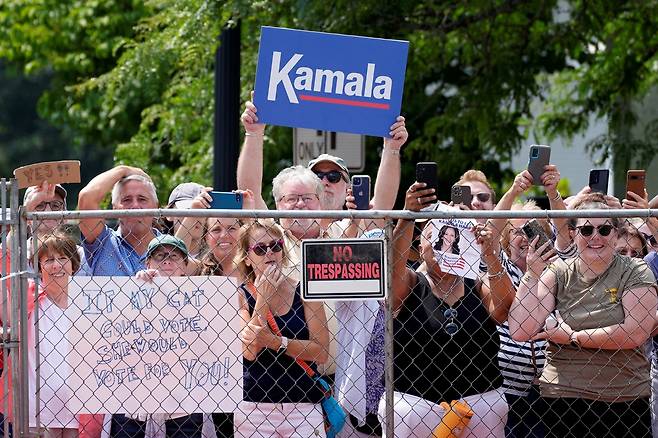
111,255
651,259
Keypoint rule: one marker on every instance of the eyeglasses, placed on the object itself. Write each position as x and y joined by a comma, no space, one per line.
164,255
588,230
451,327
483,196
294,198
333,176
629,253
54,206
650,238
260,249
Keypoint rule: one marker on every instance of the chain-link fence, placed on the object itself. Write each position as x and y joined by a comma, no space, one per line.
204,332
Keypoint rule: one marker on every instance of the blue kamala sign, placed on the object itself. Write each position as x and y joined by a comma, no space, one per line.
328,81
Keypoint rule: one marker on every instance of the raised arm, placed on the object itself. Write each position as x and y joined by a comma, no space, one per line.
250,162
550,179
534,298
496,288
388,174
403,277
522,182
92,195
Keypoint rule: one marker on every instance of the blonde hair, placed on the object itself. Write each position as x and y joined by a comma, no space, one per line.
529,205
473,175
272,229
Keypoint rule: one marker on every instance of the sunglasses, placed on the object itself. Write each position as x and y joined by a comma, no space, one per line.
260,249
651,240
483,196
588,230
451,326
333,176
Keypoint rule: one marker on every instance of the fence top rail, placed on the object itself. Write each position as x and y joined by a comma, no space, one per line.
342,214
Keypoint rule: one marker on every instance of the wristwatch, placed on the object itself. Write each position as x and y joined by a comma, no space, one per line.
284,344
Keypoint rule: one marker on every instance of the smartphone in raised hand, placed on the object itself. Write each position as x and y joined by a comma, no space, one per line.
226,201
426,172
598,180
636,182
532,229
538,158
361,191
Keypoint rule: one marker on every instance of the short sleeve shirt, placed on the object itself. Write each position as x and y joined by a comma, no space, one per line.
596,374
111,255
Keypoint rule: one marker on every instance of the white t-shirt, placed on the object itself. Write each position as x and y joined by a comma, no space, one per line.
54,371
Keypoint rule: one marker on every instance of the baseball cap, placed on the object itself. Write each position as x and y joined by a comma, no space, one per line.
59,190
326,158
166,240
183,194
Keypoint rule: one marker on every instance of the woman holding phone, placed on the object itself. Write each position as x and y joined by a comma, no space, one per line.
597,373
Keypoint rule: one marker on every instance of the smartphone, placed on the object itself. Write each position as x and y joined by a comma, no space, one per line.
539,157
532,229
426,172
226,201
635,181
361,191
598,180
461,195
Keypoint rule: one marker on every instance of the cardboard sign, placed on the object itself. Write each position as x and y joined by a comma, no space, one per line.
55,172
345,269
170,346
329,82
454,245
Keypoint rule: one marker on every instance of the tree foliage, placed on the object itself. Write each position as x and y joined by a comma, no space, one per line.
137,76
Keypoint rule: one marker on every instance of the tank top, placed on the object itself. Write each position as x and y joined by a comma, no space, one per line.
275,377
434,365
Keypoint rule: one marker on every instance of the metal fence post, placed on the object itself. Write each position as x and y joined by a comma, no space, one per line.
388,338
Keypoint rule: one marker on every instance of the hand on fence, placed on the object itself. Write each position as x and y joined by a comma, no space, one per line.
250,119
538,258
418,196
146,274
484,237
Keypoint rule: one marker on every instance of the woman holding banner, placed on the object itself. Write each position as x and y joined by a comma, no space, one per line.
446,343
280,333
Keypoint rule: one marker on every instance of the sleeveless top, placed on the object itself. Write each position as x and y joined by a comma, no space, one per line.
434,365
275,377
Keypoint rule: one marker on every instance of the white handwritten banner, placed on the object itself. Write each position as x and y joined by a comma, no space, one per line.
170,346
455,248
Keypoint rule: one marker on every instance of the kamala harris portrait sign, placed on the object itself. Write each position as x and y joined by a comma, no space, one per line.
329,82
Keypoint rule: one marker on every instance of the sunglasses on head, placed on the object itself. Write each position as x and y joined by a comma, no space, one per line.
260,249
588,230
333,176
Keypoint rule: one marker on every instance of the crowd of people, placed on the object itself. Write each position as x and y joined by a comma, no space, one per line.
550,339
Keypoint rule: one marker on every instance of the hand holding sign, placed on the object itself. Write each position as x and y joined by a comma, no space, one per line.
55,172
398,135
250,119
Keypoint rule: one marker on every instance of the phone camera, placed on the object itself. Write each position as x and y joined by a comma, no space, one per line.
356,182
535,153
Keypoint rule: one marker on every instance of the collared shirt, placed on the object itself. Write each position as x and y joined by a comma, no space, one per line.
111,255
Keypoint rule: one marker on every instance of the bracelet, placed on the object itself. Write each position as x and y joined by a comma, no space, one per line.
251,134
393,151
573,340
557,196
496,275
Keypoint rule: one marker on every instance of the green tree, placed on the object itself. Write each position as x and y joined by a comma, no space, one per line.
138,76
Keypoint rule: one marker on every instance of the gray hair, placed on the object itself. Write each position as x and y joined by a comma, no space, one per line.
116,190
299,173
